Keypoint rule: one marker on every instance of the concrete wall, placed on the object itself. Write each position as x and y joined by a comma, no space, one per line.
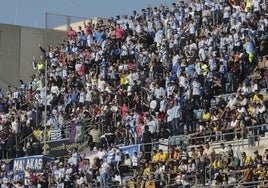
18,46
9,54
30,39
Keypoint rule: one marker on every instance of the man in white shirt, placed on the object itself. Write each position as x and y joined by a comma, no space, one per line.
196,92
159,91
54,89
68,175
151,124
169,119
192,29
232,102
162,104
257,7
103,173
177,128
224,151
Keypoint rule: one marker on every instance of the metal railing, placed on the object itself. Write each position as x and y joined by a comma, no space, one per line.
251,133
127,181
249,137
192,182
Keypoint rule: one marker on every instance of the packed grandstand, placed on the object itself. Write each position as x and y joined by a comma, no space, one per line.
147,95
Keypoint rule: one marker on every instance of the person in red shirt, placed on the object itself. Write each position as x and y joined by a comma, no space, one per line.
87,28
124,110
71,34
119,34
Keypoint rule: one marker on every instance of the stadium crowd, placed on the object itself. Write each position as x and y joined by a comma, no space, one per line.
141,78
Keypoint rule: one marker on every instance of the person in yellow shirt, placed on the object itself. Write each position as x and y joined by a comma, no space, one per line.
206,115
131,183
204,68
162,156
151,182
256,97
217,164
251,108
259,172
123,79
155,156
147,170
246,160
39,84
249,5
41,67
37,135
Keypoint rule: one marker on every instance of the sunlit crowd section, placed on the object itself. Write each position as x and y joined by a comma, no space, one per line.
195,70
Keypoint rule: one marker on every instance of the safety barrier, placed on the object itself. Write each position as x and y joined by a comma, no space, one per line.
190,181
251,134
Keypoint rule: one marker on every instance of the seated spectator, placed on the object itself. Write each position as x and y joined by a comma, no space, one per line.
155,156
265,156
257,158
162,156
246,160
127,160
234,162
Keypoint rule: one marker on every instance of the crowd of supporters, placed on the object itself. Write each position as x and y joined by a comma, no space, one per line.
143,77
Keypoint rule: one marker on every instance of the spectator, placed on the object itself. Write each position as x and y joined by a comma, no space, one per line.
257,158
144,78
95,133
147,139
103,173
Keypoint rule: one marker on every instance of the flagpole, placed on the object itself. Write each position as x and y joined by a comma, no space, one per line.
45,119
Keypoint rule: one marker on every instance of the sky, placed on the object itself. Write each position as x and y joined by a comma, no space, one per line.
31,13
